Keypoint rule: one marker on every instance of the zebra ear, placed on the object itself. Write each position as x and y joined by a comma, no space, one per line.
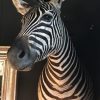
57,3
21,6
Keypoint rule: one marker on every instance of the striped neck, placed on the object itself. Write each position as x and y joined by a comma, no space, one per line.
65,57
60,73
63,78
62,65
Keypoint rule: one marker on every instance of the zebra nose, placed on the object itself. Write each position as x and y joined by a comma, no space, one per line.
21,54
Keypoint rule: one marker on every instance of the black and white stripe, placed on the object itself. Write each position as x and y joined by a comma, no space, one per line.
62,78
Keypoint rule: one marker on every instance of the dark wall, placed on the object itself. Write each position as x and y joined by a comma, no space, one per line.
27,85
9,22
82,19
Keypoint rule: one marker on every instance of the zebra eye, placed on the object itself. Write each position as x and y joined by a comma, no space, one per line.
47,17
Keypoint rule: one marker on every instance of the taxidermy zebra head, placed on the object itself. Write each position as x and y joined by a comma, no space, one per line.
41,34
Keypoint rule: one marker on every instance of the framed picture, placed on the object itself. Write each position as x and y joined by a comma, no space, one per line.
7,77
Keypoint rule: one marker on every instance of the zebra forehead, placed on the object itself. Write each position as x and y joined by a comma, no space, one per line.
40,8
46,6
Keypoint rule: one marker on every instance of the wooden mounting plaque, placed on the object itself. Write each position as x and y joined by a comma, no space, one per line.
9,76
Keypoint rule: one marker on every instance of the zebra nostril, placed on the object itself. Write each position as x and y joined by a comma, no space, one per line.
21,54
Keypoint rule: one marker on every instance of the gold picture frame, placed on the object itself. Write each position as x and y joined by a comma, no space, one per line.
9,76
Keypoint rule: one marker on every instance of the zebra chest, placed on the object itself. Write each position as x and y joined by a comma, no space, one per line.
62,86
49,91
51,87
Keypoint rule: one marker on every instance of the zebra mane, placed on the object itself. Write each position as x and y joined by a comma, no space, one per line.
23,7
56,3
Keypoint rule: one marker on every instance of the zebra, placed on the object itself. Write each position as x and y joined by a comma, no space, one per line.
44,35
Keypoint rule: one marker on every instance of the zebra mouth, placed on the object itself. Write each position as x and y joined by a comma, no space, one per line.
26,68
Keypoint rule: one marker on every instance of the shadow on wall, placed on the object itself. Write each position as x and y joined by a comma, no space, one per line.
9,22
28,83
82,19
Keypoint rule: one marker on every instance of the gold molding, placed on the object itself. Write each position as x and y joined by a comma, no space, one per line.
8,90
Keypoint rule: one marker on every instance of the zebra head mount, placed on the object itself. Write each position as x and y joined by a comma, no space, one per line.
39,34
